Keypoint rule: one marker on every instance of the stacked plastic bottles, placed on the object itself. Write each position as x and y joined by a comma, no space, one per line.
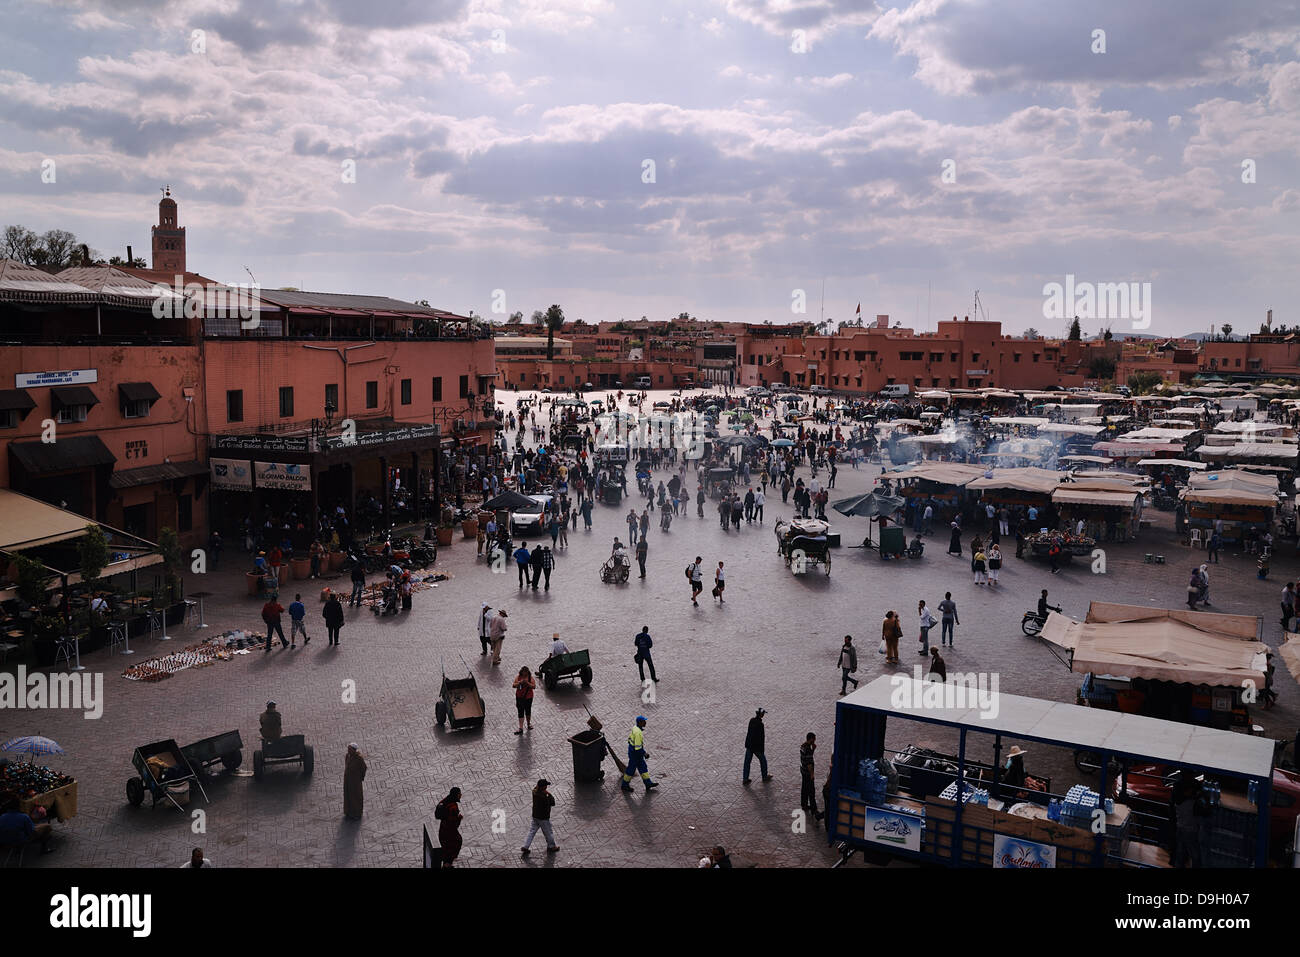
872,784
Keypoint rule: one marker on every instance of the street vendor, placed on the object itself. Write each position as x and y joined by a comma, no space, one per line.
18,828
558,647
270,723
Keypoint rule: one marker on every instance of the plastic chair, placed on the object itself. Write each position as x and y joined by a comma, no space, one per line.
1195,538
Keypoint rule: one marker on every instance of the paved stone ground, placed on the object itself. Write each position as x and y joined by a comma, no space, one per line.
773,644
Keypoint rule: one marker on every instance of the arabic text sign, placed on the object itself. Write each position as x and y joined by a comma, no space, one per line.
231,473
893,828
35,380
1018,854
296,478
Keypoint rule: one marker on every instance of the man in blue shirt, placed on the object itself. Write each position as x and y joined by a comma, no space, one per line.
17,828
297,622
522,557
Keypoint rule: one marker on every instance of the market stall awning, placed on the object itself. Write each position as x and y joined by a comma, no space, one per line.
1025,421
1162,644
942,473
1175,463
1066,428
149,474
1088,459
1158,435
1036,719
1128,450
1036,480
1250,451
26,522
1107,498
73,452
1250,427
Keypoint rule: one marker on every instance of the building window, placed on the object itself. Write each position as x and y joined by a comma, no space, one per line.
235,405
437,387
561,380
332,397
8,418
286,401
464,387
184,513
72,413
953,356
136,410
372,394
406,392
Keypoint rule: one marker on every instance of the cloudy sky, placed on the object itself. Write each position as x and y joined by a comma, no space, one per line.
506,145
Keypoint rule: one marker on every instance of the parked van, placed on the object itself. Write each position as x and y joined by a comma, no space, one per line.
900,390
819,390
643,382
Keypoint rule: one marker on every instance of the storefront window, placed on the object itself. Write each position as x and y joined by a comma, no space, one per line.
372,394
235,405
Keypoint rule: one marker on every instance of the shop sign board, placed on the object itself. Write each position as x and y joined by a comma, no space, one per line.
259,443
295,478
35,380
893,828
1015,853
231,473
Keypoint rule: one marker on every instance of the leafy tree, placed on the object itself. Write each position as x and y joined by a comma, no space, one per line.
92,553
683,317
20,244
554,320
1076,333
169,547
1101,368
1106,334
537,318
56,248
1142,383
515,319
1227,330
33,579
1031,333
136,263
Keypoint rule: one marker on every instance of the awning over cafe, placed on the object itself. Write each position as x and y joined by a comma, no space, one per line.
149,474
16,400
27,522
67,454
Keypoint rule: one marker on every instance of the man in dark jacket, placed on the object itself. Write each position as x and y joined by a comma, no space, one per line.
358,583
535,562
643,660
807,776
543,801
754,745
548,566
333,615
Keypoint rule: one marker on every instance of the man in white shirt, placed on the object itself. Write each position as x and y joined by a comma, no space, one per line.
558,647
497,631
759,499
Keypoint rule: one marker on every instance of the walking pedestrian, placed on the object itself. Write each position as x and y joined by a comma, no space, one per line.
1288,609
354,772
848,664
564,526
759,499
497,633
448,814
948,618
891,630
271,613
807,777
485,628
522,558
1212,547
755,744
642,549
543,801
938,669
642,657
979,565
995,563
632,524
645,521
535,565
695,574
719,583
333,615
724,512
548,566
928,621
358,583
636,757
524,684
297,622
954,539
1054,555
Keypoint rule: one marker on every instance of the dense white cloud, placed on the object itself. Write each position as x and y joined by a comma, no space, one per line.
505,142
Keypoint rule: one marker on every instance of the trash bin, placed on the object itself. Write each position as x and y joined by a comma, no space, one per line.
588,753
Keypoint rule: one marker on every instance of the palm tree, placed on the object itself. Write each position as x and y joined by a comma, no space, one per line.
554,320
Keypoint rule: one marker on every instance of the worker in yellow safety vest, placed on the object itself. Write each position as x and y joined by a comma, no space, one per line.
636,755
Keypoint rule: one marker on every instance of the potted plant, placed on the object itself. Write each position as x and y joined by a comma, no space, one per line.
470,527
300,563
446,526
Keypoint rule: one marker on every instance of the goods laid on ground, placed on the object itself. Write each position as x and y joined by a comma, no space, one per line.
218,648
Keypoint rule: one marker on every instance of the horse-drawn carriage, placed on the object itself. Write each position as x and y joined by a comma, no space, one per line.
804,542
